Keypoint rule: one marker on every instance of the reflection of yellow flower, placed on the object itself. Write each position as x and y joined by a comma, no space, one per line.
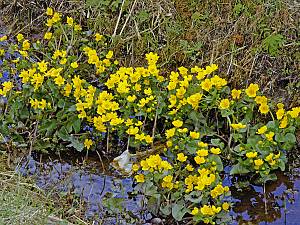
224,104
251,90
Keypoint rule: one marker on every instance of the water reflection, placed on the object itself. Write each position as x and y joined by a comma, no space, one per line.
278,204
106,195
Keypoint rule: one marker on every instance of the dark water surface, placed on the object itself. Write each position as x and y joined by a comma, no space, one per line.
279,204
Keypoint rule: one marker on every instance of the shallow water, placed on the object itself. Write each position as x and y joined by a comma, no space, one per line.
279,205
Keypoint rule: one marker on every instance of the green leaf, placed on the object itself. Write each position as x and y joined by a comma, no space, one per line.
290,138
238,169
63,134
279,138
76,124
75,143
166,210
217,142
218,161
153,204
179,210
194,197
281,165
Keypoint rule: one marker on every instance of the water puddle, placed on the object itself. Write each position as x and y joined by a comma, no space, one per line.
104,194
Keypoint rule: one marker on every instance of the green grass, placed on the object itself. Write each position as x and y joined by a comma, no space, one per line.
22,202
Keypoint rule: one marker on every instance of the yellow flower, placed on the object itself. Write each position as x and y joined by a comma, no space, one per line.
283,122
202,152
251,155
88,143
177,123
135,167
59,80
170,133
236,93
202,144
280,105
251,90
195,211
70,21
225,206
224,104
132,130
48,36
206,85
262,130
77,27
237,126
49,23
109,55
131,98
210,210
20,37
294,112
189,167
258,162
140,178
280,113
49,11
261,100
98,37
215,151
56,17
67,89
270,136
3,38
181,157
194,135
74,65
264,108
26,45
199,160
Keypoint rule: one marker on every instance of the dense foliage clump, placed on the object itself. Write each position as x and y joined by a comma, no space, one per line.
203,124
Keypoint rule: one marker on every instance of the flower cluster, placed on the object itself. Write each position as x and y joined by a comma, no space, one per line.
74,82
